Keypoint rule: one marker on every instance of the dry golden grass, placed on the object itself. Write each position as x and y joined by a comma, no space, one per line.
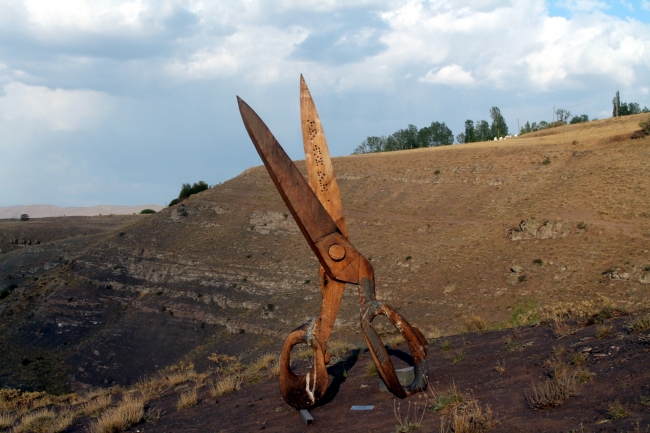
38,421
616,410
476,324
187,399
339,347
394,340
179,377
225,385
7,420
409,423
602,331
95,405
639,323
263,362
468,418
274,369
128,412
62,421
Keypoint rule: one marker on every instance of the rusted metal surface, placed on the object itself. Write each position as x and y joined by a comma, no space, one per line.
315,204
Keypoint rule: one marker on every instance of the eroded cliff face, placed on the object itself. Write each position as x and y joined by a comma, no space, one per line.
453,233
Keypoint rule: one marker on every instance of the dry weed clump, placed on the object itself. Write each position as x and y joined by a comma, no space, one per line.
128,412
371,369
62,421
602,331
476,324
449,399
187,399
225,385
616,410
639,323
555,391
404,424
393,341
468,418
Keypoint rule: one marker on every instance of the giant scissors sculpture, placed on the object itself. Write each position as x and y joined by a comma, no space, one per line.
316,207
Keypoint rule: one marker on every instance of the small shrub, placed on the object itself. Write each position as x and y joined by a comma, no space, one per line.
500,367
616,410
582,225
187,399
445,345
546,161
371,370
458,356
577,358
476,324
408,258
447,400
147,211
552,392
602,331
524,313
522,278
24,217
640,323
583,375
539,262
645,125
436,172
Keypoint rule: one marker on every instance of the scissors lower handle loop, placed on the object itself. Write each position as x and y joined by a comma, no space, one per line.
418,346
302,391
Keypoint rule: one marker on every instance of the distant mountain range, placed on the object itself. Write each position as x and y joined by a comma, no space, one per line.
48,210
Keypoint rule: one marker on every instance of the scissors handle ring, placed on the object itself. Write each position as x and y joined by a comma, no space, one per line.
418,346
302,391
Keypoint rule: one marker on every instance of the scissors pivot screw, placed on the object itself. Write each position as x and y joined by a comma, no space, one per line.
337,252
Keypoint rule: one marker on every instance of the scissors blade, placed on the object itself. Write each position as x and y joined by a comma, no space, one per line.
320,173
317,226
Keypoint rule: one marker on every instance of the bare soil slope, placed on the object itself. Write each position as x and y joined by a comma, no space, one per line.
555,220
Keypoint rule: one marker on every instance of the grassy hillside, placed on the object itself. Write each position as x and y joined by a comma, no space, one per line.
490,233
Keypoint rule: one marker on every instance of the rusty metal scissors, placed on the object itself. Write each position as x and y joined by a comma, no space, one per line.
316,207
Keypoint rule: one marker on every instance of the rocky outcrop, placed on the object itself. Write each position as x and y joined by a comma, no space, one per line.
532,229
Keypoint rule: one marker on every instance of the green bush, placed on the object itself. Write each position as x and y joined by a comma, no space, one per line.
645,125
188,190
147,211
24,217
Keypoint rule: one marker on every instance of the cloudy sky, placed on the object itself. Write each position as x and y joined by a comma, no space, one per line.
120,102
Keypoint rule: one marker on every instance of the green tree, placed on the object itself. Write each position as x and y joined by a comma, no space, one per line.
187,190
579,119
470,132
147,211
24,217
498,126
483,131
562,115
437,134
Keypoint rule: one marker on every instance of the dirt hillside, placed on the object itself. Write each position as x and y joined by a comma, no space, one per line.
556,220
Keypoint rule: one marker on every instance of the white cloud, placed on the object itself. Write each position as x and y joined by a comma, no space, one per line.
582,5
25,109
453,75
645,5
